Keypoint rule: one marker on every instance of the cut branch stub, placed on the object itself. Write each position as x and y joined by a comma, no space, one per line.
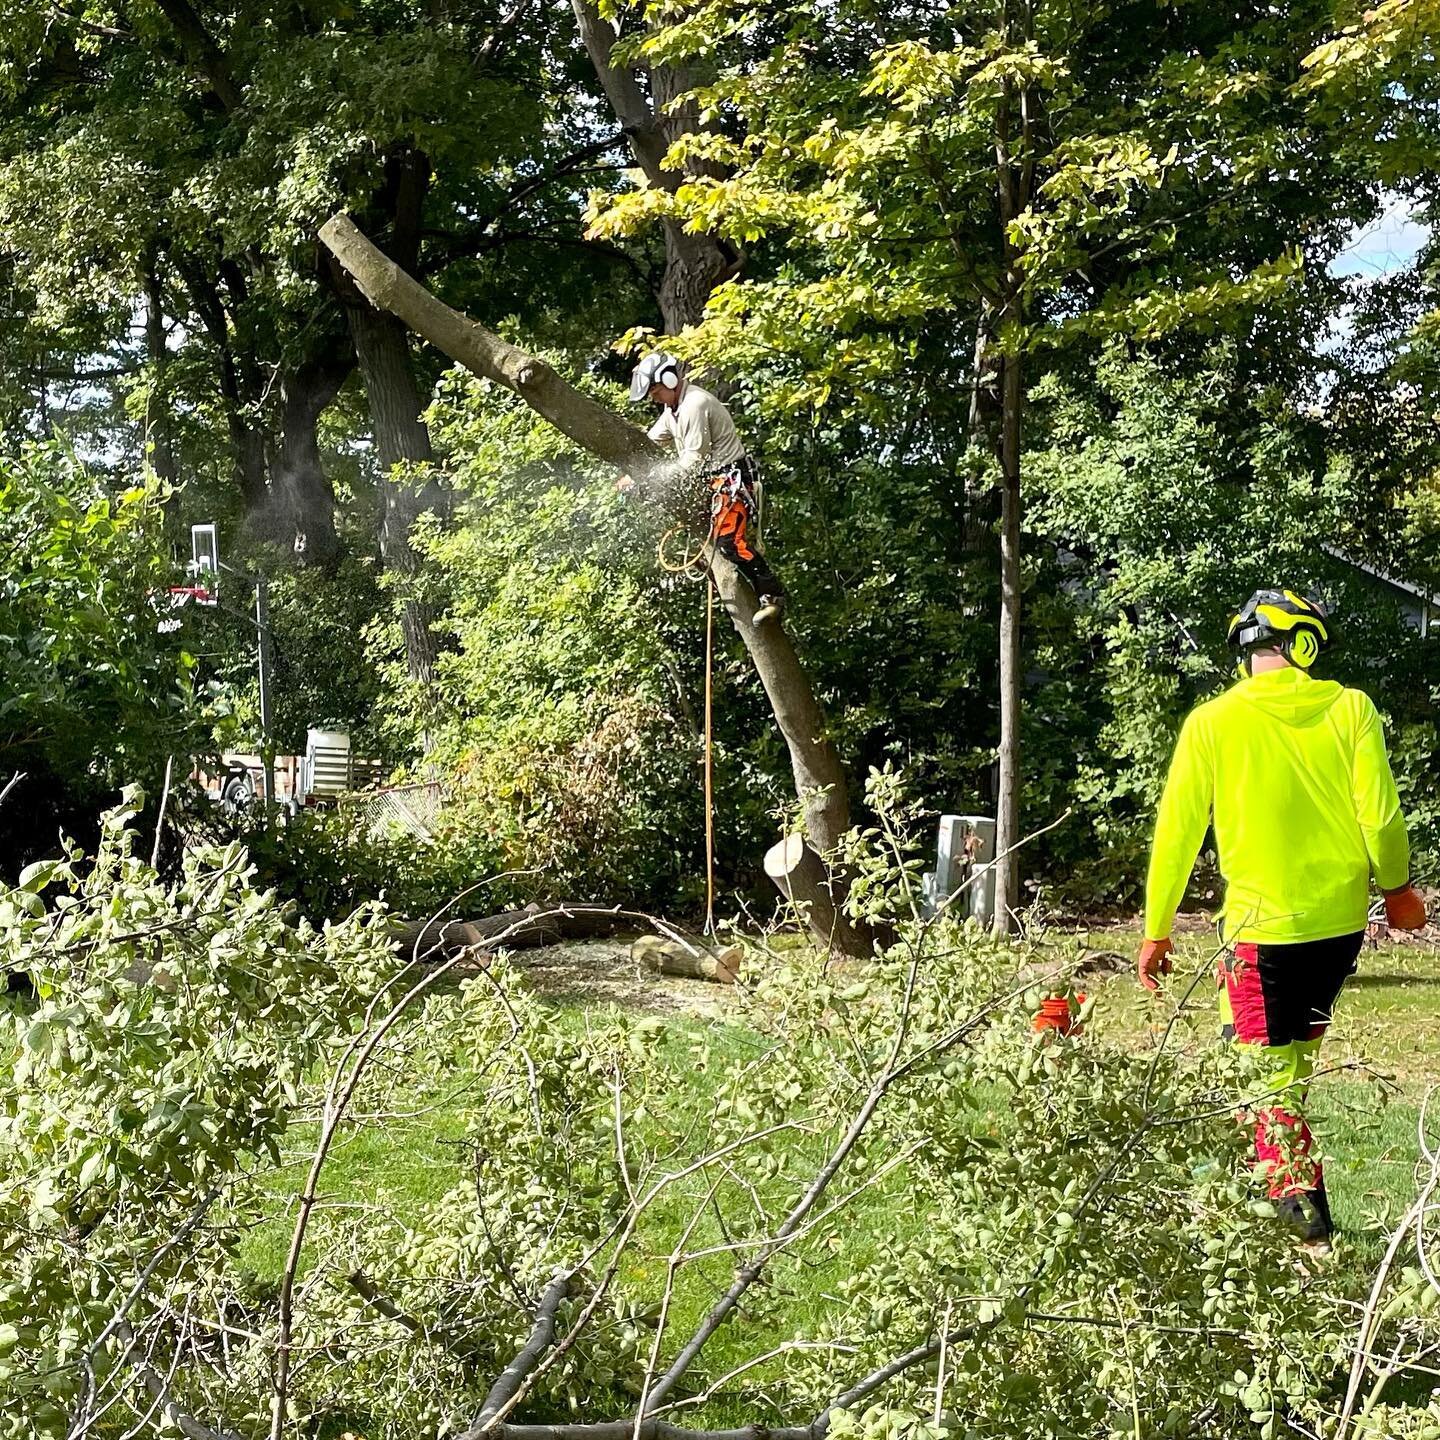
801,877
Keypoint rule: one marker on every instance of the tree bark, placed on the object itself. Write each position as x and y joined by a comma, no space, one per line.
402,443
525,929
202,51
159,439
303,495
799,874
670,957
1014,183
247,439
819,776
1007,799
694,264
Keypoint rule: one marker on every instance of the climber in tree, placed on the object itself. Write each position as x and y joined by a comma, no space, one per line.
697,426
1292,774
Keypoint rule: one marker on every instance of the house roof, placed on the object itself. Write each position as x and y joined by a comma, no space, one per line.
1417,592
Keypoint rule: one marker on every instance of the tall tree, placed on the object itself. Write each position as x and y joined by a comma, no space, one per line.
1046,174
696,260
819,777
218,137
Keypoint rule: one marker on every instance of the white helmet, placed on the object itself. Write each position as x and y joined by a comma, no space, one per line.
657,368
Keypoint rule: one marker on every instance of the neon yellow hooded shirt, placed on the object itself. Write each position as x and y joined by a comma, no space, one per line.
1293,774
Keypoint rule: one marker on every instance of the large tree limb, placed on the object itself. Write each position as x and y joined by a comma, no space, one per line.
694,263
541,1338
388,287
203,51
819,777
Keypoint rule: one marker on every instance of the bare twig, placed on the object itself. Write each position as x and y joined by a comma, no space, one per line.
1370,1316
117,1322
337,1101
788,1348
620,1137
672,1269
649,1429
747,1274
159,1390
160,817
620,1233
940,1373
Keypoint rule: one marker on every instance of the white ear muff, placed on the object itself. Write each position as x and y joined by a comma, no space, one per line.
668,376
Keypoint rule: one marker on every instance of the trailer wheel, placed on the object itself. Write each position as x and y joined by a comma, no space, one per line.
237,792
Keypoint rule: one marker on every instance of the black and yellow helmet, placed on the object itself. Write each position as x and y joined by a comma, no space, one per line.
1296,625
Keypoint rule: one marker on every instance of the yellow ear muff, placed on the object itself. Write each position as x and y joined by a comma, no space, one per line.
1304,648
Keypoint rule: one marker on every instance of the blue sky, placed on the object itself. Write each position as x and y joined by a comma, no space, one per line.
1388,244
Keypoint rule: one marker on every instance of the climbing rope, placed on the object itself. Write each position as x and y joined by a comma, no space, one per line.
692,565
709,759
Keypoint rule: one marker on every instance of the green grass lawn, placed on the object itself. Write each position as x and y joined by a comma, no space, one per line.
1384,1038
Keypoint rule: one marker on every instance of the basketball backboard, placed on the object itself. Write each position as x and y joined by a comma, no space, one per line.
205,552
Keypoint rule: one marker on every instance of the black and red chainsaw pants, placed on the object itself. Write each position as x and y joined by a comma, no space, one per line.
1277,1000
732,526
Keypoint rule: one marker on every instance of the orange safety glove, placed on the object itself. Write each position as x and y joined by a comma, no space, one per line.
1404,909
1154,962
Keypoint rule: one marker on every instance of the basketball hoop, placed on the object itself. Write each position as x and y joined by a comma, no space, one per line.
180,596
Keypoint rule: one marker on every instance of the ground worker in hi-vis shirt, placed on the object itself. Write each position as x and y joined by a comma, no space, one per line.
1292,773
697,426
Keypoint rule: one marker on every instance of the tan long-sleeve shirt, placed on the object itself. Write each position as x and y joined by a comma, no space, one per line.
700,431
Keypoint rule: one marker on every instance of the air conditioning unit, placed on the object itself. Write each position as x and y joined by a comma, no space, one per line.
964,863
327,770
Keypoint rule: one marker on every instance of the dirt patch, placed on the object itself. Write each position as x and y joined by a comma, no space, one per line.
599,972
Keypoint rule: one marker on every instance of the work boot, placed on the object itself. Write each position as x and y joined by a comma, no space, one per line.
1308,1216
770,608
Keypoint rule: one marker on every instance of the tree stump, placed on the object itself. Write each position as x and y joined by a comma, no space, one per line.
801,877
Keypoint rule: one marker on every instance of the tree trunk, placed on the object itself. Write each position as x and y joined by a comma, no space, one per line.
159,442
402,444
1013,183
799,874
674,957
531,926
303,496
694,264
1007,799
819,777
408,485
247,439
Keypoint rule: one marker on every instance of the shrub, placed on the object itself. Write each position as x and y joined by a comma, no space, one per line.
95,696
